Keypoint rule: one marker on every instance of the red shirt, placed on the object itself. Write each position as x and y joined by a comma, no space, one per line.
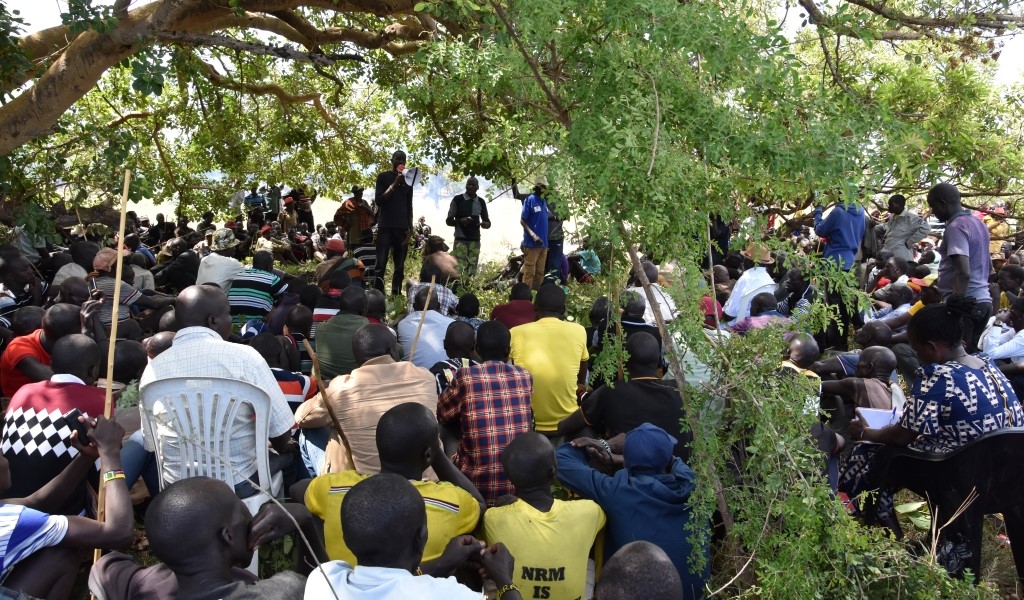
26,346
61,397
514,313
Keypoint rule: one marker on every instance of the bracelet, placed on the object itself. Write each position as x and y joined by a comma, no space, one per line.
606,446
507,588
112,475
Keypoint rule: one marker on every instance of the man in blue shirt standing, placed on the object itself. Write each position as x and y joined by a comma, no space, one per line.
535,234
844,229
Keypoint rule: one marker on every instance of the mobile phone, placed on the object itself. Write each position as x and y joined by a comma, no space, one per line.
71,420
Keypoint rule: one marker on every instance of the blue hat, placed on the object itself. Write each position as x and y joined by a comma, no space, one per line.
648,447
253,327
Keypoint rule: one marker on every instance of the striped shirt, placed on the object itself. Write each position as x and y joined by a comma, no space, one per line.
253,291
10,301
129,296
24,531
296,387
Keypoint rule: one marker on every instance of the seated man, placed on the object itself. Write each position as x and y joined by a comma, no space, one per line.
41,552
296,387
518,310
484,408
666,306
647,500
407,445
359,399
19,286
643,398
430,344
220,266
200,350
27,358
36,437
468,310
385,525
254,290
755,280
763,312
1004,341
639,570
545,535
894,306
334,336
800,298
874,333
872,386
459,341
201,550
447,300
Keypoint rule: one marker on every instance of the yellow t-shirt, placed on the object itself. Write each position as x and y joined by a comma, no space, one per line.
551,350
916,307
550,548
451,511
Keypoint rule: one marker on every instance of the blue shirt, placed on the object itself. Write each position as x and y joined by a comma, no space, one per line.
844,228
535,213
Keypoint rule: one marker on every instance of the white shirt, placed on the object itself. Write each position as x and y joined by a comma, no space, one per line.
751,283
381,583
68,270
200,352
218,269
143,279
665,304
1001,341
65,378
430,348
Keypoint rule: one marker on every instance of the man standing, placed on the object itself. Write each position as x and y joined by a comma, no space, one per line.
844,228
467,214
965,262
534,220
555,353
902,230
394,223
354,218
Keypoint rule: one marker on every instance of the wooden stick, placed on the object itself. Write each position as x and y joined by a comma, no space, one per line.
426,307
323,396
108,403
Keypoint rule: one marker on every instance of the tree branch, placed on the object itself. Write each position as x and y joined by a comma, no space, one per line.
283,52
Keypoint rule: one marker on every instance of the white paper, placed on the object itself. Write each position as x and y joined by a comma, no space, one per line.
877,418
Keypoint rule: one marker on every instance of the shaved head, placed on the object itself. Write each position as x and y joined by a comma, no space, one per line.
371,341
459,339
156,344
639,570
203,306
644,354
405,433
803,350
874,333
61,320
529,461
876,361
77,355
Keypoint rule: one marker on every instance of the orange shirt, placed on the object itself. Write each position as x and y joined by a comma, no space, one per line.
26,346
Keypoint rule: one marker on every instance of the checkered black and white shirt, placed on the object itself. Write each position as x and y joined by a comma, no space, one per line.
199,352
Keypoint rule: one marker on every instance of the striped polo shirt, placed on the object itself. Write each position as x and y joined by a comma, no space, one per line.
253,291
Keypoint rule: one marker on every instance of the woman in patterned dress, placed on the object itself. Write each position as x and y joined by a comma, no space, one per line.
956,398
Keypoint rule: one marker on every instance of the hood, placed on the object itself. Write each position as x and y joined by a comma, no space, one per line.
672,487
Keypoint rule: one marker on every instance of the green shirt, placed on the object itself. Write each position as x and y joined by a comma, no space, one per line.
334,345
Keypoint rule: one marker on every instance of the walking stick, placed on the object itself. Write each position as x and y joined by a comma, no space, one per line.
415,340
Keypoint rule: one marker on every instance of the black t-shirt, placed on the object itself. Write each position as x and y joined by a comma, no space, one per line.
396,211
611,411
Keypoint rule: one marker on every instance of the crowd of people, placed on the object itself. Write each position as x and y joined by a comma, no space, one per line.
451,453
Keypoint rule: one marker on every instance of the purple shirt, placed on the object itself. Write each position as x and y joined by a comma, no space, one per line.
965,235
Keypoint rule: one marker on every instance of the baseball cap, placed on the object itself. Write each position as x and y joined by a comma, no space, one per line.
335,245
648,447
266,228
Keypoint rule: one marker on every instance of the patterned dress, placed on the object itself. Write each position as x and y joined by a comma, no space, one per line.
951,404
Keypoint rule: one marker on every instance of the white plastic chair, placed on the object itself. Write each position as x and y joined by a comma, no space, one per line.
189,422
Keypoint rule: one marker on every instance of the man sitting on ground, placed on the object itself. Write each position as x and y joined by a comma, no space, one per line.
359,399
334,336
407,444
27,359
447,300
459,341
220,266
518,310
643,398
666,306
254,290
430,347
545,535
639,570
296,387
484,408
41,555
647,500
384,522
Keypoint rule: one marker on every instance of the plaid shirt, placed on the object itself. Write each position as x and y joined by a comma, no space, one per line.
445,297
491,403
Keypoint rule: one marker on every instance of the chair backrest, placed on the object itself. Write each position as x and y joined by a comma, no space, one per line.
989,464
191,422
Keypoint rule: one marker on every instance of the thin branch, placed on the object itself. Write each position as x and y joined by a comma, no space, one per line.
657,125
283,52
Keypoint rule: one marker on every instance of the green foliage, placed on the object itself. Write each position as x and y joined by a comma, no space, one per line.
13,62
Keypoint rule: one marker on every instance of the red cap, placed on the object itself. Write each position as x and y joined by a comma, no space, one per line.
289,200
266,228
335,245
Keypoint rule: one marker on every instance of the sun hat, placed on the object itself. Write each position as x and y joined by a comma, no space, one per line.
223,239
758,253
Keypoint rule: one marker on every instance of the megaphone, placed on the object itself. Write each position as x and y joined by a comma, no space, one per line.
412,176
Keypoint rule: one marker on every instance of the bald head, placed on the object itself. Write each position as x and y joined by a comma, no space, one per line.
529,461
60,320
203,306
639,570
874,333
384,521
74,290
803,350
77,355
178,533
405,433
156,344
372,341
27,319
130,360
644,354
876,361
550,300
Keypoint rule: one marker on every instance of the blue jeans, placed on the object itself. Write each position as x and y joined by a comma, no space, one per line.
313,449
137,462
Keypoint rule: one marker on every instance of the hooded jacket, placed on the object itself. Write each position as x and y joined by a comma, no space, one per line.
844,228
641,504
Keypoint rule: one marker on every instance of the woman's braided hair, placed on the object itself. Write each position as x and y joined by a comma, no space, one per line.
942,322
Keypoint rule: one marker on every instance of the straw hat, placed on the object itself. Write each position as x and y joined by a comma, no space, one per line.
758,253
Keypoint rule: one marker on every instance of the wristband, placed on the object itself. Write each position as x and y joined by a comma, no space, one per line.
112,475
507,588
